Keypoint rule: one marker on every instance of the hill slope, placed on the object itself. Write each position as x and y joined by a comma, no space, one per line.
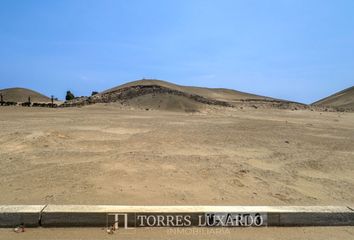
220,94
22,94
340,100
152,94
162,95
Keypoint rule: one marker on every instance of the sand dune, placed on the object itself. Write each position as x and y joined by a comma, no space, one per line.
220,94
22,94
162,95
340,100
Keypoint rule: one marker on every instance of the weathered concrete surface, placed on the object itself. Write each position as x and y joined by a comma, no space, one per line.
14,215
313,216
86,215
96,215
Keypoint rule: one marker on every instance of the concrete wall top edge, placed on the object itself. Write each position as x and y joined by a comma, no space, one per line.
21,208
187,209
168,209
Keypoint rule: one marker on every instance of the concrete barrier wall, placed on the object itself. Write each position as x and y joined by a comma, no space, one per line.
96,215
14,215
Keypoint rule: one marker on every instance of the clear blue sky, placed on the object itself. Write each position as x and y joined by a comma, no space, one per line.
300,50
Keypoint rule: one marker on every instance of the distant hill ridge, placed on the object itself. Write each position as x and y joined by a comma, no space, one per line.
221,94
341,100
21,95
157,94
163,95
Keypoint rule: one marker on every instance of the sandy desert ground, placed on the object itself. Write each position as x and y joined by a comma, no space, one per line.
108,154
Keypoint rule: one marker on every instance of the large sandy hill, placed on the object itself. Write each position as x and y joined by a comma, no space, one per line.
343,99
22,94
162,95
220,94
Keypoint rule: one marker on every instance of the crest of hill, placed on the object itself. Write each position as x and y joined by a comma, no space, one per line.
161,95
219,94
22,94
340,100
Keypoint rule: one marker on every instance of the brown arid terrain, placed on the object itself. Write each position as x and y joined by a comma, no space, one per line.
162,95
117,154
155,143
343,100
22,95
